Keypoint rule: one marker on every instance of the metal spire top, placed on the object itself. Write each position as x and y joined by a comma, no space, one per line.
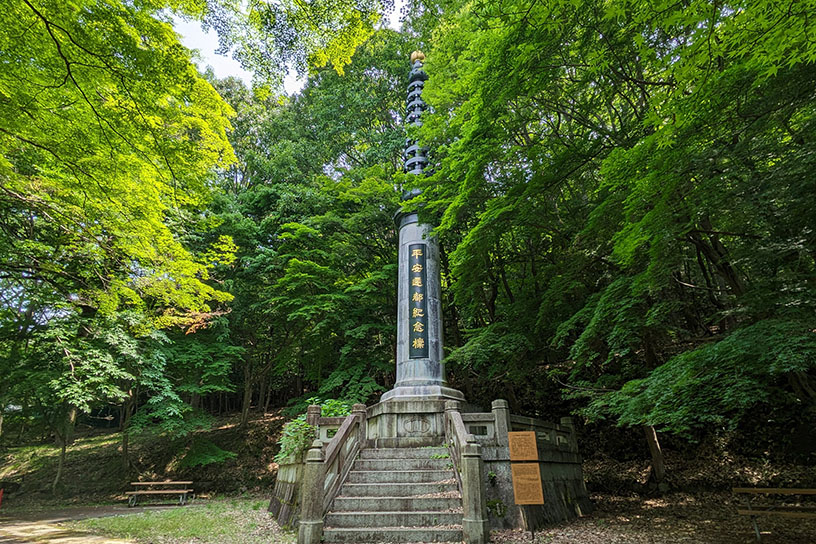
415,156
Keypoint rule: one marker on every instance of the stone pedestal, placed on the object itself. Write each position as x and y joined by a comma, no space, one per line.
406,423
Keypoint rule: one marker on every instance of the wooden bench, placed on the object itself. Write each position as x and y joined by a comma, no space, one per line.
753,510
164,488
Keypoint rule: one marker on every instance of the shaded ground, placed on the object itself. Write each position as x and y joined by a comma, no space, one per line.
675,519
32,467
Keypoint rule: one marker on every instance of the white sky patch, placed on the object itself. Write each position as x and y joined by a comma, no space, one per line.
194,37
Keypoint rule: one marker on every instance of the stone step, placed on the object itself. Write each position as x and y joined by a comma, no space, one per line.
394,504
406,453
392,519
402,464
393,534
398,476
409,442
396,490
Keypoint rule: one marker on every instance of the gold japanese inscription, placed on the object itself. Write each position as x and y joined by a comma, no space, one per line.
417,312
418,326
416,282
417,297
416,253
417,268
418,343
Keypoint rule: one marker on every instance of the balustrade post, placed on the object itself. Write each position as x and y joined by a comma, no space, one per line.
359,410
310,529
501,414
450,406
474,523
313,415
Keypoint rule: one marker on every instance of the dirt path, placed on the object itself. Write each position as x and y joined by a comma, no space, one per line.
42,527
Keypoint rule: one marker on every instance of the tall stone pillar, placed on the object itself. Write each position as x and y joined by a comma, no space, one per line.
420,369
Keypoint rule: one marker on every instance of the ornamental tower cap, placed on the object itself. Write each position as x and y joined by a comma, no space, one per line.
417,56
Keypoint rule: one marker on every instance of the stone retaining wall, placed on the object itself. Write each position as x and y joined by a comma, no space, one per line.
565,495
285,503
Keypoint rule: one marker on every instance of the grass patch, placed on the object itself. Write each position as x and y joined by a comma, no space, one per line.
229,521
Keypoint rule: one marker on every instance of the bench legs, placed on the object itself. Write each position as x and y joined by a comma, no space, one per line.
183,498
747,503
756,528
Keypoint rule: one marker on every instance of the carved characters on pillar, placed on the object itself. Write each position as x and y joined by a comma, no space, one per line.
417,302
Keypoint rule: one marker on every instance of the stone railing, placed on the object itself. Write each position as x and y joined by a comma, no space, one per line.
550,435
491,428
326,427
467,459
327,465
341,452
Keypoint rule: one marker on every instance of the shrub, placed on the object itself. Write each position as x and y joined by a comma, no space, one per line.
298,435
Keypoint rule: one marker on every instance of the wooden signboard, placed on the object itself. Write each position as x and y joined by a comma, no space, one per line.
527,483
523,446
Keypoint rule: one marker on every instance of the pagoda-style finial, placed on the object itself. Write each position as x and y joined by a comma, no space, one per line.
416,156
417,56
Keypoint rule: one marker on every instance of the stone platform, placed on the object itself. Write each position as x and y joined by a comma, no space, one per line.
400,456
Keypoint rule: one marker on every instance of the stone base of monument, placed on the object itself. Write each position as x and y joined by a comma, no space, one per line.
425,470
406,422
422,392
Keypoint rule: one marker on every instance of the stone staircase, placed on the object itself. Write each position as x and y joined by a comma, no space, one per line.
397,495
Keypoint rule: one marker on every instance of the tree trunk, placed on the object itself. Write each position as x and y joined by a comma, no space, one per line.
60,464
658,465
262,393
125,451
127,412
65,435
268,399
247,392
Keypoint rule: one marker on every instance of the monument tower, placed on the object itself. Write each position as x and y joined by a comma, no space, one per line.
415,466
420,366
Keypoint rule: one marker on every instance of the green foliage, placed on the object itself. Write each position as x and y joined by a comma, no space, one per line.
333,407
295,439
205,452
298,435
622,196
266,37
623,193
718,384
98,182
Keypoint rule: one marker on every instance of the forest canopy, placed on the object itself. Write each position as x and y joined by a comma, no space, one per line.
623,194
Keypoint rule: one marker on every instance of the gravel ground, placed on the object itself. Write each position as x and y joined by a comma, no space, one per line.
675,519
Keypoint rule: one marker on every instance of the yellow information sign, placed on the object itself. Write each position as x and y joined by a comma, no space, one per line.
527,483
523,446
